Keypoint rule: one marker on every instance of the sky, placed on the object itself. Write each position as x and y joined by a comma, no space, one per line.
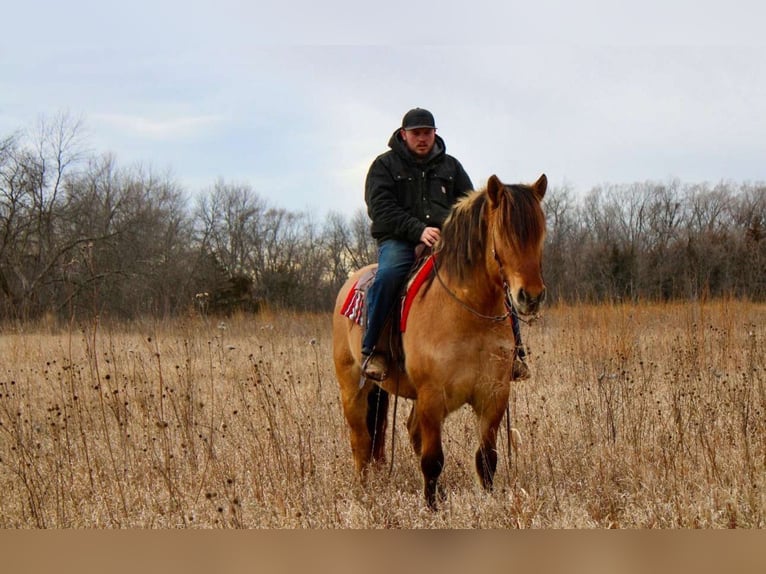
296,99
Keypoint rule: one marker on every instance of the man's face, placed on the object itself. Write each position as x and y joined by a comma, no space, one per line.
420,141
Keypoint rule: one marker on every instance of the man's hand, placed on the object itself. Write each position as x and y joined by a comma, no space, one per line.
430,236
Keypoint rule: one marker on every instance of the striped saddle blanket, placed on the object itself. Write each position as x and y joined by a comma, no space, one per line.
355,308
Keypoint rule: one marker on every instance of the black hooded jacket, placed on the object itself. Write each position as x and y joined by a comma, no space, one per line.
404,194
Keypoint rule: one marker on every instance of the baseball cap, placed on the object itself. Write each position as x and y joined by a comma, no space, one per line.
418,118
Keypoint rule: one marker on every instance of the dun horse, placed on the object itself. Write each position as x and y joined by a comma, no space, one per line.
458,346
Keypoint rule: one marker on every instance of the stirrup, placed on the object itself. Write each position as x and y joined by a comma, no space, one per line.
374,366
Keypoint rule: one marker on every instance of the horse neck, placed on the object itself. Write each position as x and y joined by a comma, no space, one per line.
480,284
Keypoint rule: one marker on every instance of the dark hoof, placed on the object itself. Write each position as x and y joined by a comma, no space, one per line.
435,497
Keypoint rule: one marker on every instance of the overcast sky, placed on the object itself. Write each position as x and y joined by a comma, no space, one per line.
297,98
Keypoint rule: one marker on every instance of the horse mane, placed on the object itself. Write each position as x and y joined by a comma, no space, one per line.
464,234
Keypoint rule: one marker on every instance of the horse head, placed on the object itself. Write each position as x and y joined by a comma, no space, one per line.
516,233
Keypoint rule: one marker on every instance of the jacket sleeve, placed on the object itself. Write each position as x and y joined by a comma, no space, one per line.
388,216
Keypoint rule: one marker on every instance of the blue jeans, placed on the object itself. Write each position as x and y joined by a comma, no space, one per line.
395,259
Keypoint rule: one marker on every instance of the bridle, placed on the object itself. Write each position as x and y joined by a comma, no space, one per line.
507,301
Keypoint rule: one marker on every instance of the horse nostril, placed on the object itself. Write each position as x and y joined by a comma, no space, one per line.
522,297
543,295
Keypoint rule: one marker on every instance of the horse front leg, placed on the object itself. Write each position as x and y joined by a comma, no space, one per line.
355,410
429,416
366,412
413,426
490,411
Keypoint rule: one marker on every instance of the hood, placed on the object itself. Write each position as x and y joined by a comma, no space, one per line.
397,144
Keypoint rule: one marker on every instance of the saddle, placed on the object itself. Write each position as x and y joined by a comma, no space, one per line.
355,307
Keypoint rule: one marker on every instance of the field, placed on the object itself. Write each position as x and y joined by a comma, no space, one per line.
637,416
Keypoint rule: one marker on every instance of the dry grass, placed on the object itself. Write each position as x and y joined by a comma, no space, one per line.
636,417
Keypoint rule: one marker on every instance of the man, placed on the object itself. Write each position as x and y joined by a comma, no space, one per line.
410,191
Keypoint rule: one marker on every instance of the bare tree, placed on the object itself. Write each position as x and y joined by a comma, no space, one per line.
564,238
663,227
33,244
135,236
81,234
230,219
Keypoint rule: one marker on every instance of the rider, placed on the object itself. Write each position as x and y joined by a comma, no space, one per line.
409,192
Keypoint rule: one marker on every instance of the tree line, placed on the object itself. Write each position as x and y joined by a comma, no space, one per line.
657,241
82,235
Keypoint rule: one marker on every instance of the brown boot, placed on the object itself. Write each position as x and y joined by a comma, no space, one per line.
374,366
520,370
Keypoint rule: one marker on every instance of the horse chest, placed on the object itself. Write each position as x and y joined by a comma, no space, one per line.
462,358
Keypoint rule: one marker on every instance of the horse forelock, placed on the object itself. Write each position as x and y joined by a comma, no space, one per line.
463,240
521,216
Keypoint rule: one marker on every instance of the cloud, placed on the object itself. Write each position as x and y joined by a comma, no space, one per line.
301,119
165,129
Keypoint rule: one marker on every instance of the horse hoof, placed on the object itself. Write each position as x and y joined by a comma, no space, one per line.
435,497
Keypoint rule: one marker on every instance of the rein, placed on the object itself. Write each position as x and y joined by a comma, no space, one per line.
508,300
464,305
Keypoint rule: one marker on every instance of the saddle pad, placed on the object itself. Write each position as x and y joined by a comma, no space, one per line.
412,289
353,306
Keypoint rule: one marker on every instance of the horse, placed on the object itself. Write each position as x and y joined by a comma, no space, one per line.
458,346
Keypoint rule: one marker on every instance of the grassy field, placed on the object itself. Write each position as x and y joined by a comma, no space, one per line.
637,416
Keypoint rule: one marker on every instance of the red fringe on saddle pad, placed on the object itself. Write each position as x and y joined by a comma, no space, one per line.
354,304
417,282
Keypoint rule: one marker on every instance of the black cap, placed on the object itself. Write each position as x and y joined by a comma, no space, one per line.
418,118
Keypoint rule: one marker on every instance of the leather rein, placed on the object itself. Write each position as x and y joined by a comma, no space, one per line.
508,300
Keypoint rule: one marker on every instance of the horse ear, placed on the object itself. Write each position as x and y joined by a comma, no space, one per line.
494,187
540,186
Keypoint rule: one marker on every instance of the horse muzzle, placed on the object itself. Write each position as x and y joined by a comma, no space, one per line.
527,303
